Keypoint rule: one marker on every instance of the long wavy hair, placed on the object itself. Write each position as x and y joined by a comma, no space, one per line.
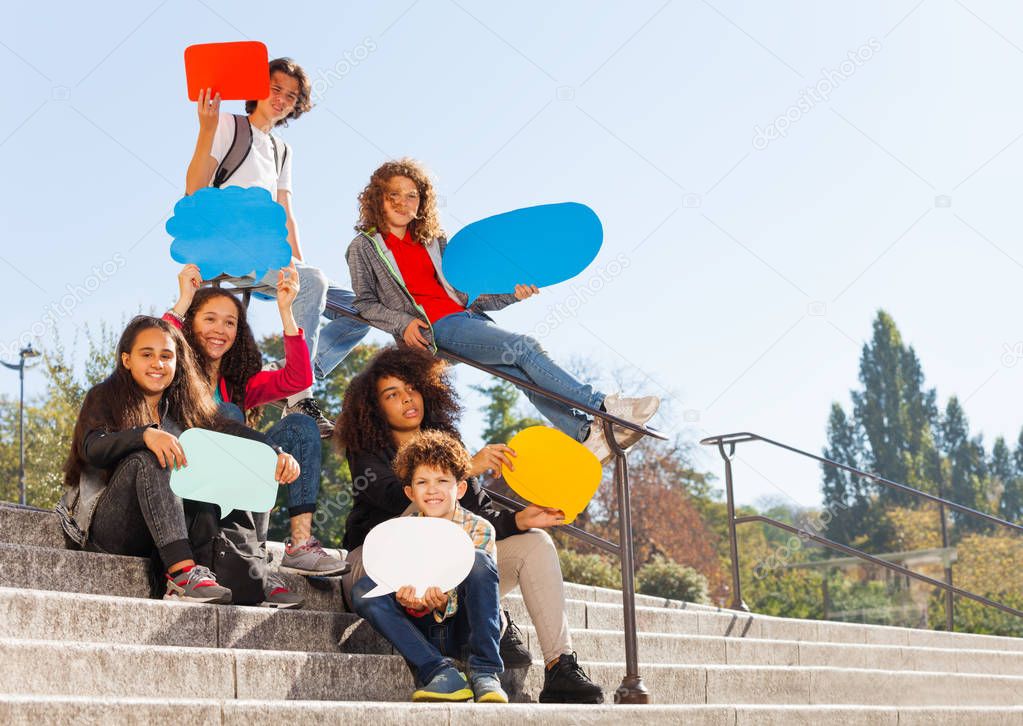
117,403
426,226
362,427
239,363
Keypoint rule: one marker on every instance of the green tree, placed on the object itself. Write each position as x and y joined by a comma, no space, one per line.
848,497
1011,505
50,418
894,411
966,466
502,417
895,430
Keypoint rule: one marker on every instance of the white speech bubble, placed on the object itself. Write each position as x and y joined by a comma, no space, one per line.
229,471
418,551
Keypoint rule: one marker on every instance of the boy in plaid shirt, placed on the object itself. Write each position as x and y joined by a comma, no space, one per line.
434,466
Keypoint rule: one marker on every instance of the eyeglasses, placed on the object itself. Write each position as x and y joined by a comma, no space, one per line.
395,197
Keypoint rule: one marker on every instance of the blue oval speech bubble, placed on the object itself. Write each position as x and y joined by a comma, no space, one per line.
540,246
231,230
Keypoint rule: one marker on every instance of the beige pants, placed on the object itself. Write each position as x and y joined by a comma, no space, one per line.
530,562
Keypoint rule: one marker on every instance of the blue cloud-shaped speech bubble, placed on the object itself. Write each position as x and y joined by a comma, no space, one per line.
231,230
541,245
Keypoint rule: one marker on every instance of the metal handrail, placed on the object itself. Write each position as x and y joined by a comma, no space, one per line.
632,690
731,440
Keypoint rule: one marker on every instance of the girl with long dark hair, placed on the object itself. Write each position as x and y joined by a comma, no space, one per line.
124,446
215,325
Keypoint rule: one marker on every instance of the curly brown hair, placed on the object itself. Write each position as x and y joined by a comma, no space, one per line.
426,226
117,403
239,363
432,448
304,102
361,427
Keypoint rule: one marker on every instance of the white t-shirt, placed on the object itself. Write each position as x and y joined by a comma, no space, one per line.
259,168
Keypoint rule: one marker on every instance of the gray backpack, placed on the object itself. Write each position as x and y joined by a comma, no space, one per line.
239,151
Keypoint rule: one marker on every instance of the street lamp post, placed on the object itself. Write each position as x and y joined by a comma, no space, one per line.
24,354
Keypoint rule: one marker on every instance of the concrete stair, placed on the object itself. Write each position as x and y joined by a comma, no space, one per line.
81,641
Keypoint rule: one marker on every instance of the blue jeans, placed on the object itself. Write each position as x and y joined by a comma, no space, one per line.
329,346
299,436
339,336
476,337
429,646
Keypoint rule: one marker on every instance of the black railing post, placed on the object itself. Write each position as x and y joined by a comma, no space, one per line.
733,544
631,690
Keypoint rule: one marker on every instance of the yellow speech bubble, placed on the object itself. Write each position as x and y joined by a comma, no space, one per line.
553,470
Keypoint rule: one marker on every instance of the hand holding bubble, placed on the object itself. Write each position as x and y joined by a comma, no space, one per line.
518,252
229,471
231,230
553,471
417,552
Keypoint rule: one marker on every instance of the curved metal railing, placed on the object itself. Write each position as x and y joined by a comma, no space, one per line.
730,441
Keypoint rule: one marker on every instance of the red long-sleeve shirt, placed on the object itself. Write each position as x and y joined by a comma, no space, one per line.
267,386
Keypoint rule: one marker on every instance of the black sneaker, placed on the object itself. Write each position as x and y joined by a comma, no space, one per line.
312,409
514,652
565,682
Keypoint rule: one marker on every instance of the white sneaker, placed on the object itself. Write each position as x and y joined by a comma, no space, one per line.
635,410
596,443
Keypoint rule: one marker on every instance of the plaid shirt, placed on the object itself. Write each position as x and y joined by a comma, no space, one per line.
483,536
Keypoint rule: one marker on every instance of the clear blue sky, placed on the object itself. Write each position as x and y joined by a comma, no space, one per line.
754,264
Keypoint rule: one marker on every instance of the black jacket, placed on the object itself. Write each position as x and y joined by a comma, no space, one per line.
378,495
104,450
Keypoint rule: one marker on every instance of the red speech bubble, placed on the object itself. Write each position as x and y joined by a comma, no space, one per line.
238,71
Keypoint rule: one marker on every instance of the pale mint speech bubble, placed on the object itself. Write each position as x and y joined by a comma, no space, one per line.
229,471
419,551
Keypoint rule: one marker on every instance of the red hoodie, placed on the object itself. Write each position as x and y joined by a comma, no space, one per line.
267,386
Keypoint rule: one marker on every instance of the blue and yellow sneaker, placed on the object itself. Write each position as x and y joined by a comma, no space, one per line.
448,685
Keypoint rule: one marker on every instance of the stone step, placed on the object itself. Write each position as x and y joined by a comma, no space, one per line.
51,710
607,645
42,667
23,566
30,526
37,614
40,528
33,614
604,616
45,568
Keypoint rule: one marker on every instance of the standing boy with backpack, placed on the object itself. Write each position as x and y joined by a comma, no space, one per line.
238,150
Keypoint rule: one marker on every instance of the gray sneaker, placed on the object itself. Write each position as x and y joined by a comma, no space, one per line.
310,559
277,594
635,410
196,585
487,689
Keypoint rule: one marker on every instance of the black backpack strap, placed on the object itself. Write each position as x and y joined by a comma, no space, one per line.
239,151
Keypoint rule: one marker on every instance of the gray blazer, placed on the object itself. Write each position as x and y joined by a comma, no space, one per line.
380,292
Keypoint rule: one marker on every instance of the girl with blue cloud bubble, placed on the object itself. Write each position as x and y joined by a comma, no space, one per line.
215,324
